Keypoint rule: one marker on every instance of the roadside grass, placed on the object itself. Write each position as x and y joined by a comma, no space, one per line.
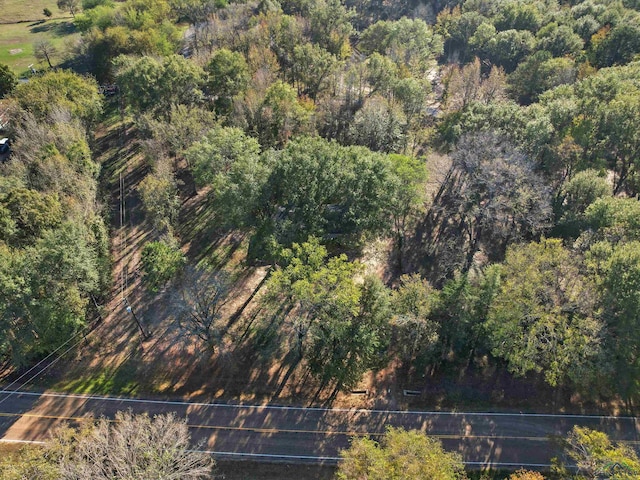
120,380
14,11
16,42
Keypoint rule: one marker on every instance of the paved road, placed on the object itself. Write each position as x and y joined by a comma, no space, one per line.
316,434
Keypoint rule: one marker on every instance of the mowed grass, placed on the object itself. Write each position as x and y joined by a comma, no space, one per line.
12,11
16,42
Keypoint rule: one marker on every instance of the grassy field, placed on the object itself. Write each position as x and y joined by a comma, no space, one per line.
16,41
12,11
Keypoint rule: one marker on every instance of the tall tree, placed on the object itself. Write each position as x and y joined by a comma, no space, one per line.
544,317
150,84
44,50
200,298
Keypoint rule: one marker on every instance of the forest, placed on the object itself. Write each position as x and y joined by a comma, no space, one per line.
430,190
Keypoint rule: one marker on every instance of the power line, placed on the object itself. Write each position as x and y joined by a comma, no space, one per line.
17,390
83,330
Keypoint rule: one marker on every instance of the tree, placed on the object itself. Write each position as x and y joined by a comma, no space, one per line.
617,47
613,219
228,76
411,304
576,195
30,462
379,125
32,213
172,135
619,272
60,90
281,115
312,68
493,195
161,262
559,40
44,50
408,195
538,73
45,290
134,446
71,6
330,26
47,13
596,457
8,80
200,299
544,317
526,475
410,43
213,157
150,84
159,195
317,187
401,455
339,325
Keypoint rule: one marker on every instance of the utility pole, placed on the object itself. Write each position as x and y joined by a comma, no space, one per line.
133,314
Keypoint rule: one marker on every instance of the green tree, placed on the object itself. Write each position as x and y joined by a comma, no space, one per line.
320,188
519,16
340,325
161,262
31,213
539,73
619,46
8,80
411,303
228,76
401,455
379,125
30,462
597,457
619,272
150,84
312,68
330,26
583,189
45,294
61,89
408,197
410,43
544,317
213,157
281,115
614,219
559,40
159,195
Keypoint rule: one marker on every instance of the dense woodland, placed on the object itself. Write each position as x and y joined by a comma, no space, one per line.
318,127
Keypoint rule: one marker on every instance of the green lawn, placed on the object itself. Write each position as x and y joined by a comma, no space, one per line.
12,11
16,41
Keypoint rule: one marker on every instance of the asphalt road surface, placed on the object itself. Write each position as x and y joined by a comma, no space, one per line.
296,434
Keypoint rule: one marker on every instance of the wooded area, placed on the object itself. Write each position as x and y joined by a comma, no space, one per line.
492,146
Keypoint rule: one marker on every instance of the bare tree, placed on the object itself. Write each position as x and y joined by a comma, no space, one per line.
490,197
132,447
200,300
44,50
71,6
